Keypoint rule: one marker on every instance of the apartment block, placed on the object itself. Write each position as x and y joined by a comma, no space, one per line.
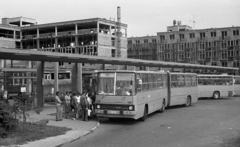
212,46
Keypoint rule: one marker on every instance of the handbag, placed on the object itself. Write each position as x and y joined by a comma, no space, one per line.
89,112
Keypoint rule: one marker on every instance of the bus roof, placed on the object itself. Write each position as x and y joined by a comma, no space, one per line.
130,71
209,75
181,73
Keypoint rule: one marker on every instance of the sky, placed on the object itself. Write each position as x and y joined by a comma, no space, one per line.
143,17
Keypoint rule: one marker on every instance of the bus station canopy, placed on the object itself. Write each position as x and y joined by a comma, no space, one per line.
34,55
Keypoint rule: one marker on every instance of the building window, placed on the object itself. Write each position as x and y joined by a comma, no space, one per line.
192,35
162,37
213,34
154,41
145,41
224,54
214,63
224,64
202,35
137,41
224,33
235,32
181,46
202,45
129,41
224,45
181,36
172,37
113,52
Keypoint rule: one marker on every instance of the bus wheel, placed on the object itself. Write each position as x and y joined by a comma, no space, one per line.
145,114
163,107
216,95
188,102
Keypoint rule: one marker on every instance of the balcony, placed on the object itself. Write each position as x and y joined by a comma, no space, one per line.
87,31
237,58
45,35
215,59
236,47
230,58
182,40
224,38
208,59
202,39
163,41
208,48
230,48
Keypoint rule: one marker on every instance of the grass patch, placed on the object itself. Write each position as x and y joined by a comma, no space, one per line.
32,132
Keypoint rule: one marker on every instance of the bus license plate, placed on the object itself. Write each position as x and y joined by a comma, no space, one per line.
113,112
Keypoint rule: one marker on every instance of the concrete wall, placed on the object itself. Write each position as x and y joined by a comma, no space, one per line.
8,43
104,40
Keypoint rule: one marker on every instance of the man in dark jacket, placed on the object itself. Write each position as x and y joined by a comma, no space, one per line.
85,106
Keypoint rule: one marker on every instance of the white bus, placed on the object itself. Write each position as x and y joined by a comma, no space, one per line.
236,85
215,86
135,94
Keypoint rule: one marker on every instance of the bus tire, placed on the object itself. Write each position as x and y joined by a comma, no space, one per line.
188,101
163,107
145,114
216,94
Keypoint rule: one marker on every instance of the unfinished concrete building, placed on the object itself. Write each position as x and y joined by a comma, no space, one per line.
142,47
95,37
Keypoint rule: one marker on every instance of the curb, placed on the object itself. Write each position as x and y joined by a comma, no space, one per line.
91,131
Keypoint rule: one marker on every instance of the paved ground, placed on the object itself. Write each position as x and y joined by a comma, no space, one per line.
79,128
208,123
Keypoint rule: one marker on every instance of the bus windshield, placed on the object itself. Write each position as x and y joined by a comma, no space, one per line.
117,84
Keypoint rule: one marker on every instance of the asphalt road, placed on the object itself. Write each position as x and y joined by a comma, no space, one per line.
207,123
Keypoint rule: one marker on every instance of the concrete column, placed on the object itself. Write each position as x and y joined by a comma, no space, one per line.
2,66
76,38
184,70
56,39
56,88
21,40
147,68
103,66
77,77
38,41
29,81
125,67
134,68
14,34
40,75
1,63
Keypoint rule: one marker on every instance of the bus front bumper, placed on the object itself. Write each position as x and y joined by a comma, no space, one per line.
115,112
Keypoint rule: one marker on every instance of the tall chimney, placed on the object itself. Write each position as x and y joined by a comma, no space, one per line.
118,14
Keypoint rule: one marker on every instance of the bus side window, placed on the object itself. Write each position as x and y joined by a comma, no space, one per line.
139,83
194,80
145,84
159,81
164,80
154,81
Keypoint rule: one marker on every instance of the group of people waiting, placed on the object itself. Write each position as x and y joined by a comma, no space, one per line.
80,104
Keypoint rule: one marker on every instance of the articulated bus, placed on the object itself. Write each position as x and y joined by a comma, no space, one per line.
236,85
135,94
215,86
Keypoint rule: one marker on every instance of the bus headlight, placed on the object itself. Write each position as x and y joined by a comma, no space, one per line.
98,106
130,107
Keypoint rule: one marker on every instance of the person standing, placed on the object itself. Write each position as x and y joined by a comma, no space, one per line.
5,96
85,106
67,104
58,103
78,108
